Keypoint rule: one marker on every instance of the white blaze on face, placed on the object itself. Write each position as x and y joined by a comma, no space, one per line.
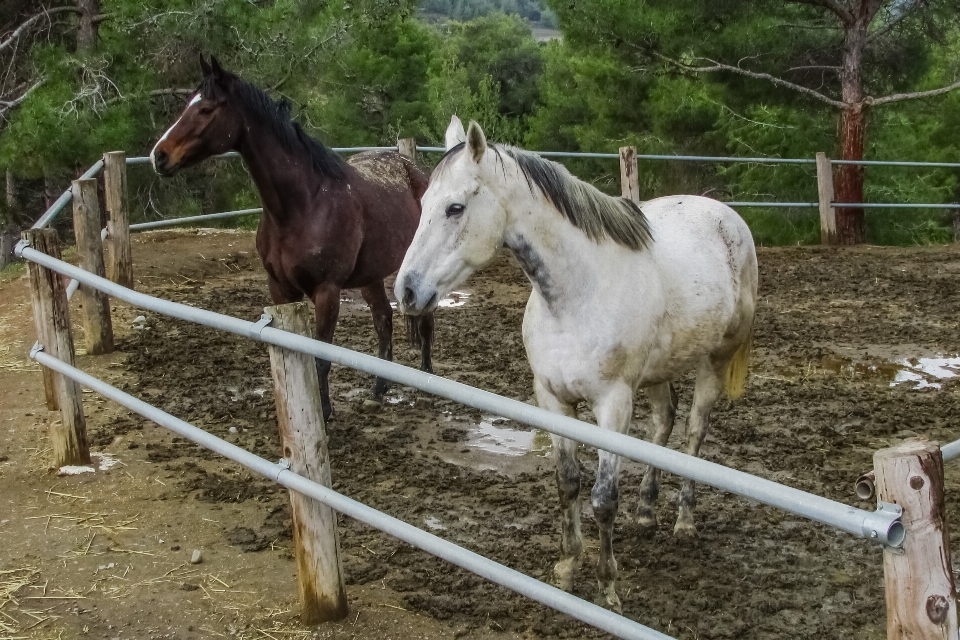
153,158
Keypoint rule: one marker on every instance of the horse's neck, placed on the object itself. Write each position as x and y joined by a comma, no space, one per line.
562,264
285,180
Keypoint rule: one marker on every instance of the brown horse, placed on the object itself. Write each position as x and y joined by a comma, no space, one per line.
327,224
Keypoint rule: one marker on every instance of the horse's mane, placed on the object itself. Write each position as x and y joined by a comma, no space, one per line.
595,213
276,115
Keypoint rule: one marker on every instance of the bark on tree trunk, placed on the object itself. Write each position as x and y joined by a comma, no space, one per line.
848,182
9,227
88,28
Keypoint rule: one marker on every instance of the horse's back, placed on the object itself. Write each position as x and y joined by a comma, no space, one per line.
701,238
390,171
706,259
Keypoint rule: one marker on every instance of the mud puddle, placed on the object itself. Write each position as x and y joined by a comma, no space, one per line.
492,443
912,372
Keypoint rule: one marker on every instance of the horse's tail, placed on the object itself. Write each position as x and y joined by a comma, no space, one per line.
413,331
736,377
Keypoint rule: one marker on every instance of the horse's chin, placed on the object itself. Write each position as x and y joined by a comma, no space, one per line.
429,307
167,172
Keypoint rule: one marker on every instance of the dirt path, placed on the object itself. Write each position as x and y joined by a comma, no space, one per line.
837,374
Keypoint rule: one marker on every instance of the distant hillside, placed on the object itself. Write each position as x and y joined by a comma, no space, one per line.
462,10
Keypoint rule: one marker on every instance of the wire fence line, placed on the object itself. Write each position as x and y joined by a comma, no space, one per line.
67,196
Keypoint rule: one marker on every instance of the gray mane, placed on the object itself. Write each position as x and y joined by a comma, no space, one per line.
595,213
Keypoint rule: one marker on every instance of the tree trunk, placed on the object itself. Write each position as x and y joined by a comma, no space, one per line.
848,183
9,227
88,28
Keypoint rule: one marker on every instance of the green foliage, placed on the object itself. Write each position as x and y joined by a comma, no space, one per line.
366,72
486,70
465,10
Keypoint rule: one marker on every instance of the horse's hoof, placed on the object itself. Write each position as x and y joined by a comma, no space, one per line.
563,574
647,521
371,406
379,389
685,530
608,598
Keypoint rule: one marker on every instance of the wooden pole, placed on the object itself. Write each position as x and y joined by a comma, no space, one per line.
96,304
304,441
119,257
51,315
408,148
828,215
921,595
629,181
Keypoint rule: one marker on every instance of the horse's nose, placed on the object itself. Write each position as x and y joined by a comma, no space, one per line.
408,296
159,159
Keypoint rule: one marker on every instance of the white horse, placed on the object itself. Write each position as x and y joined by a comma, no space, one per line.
623,297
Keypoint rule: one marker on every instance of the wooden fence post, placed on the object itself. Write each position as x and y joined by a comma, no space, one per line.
408,148
629,181
51,315
921,595
96,304
119,257
304,441
828,215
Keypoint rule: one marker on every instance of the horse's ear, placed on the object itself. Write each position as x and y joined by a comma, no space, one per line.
455,133
204,67
476,141
215,66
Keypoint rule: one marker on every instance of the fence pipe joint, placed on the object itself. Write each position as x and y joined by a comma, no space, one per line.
258,327
885,525
20,246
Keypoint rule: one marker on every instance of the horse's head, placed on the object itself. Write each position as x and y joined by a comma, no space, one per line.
462,223
209,125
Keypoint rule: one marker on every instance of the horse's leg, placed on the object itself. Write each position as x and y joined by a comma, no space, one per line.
613,412
707,391
663,403
326,300
426,326
568,486
376,297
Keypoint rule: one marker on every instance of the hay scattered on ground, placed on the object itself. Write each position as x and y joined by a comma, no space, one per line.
15,619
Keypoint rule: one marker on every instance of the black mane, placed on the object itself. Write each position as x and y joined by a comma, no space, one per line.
276,116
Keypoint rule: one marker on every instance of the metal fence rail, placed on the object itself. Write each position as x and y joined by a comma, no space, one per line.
172,222
473,562
878,526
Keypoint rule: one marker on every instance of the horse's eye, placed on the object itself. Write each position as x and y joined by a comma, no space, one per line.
205,111
455,209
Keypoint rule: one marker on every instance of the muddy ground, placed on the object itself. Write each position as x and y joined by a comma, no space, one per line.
845,363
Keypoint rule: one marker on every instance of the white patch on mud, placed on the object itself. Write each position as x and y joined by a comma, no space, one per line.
454,299
71,470
101,462
926,372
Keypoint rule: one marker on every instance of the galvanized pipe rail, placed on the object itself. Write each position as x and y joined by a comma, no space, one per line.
878,526
172,222
279,473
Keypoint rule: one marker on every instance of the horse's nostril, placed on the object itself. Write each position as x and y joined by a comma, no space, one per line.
408,296
160,157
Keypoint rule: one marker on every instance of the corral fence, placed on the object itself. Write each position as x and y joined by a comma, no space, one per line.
908,478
